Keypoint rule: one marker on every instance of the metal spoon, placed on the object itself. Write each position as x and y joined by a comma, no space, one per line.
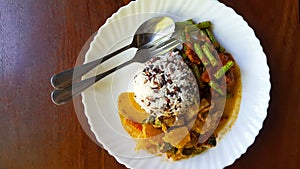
62,96
148,32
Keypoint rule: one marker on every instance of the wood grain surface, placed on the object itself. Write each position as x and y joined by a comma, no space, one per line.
39,38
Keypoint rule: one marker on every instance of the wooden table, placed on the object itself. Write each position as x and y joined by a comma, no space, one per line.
40,37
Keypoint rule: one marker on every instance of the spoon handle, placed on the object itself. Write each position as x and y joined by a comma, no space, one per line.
64,79
60,97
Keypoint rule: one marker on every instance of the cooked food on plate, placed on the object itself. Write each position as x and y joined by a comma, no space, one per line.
184,101
166,86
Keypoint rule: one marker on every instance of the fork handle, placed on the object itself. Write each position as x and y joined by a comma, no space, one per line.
64,79
60,97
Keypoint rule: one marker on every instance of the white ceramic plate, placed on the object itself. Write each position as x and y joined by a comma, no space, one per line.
100,101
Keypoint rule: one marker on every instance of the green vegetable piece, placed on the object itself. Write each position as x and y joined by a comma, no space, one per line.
192,33
151,119
184,56
221,49
229,95
182,35
204,35
179,29
188,151
204,25
196,71
157,123
200,54
212,141
168,148
192,28
216,87
213,61
181,25
190,21
223,69
189,31
212,37
187,36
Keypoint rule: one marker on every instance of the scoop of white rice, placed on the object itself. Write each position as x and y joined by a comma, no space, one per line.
166,86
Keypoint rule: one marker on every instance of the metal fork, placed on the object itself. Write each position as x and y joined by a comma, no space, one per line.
60,97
